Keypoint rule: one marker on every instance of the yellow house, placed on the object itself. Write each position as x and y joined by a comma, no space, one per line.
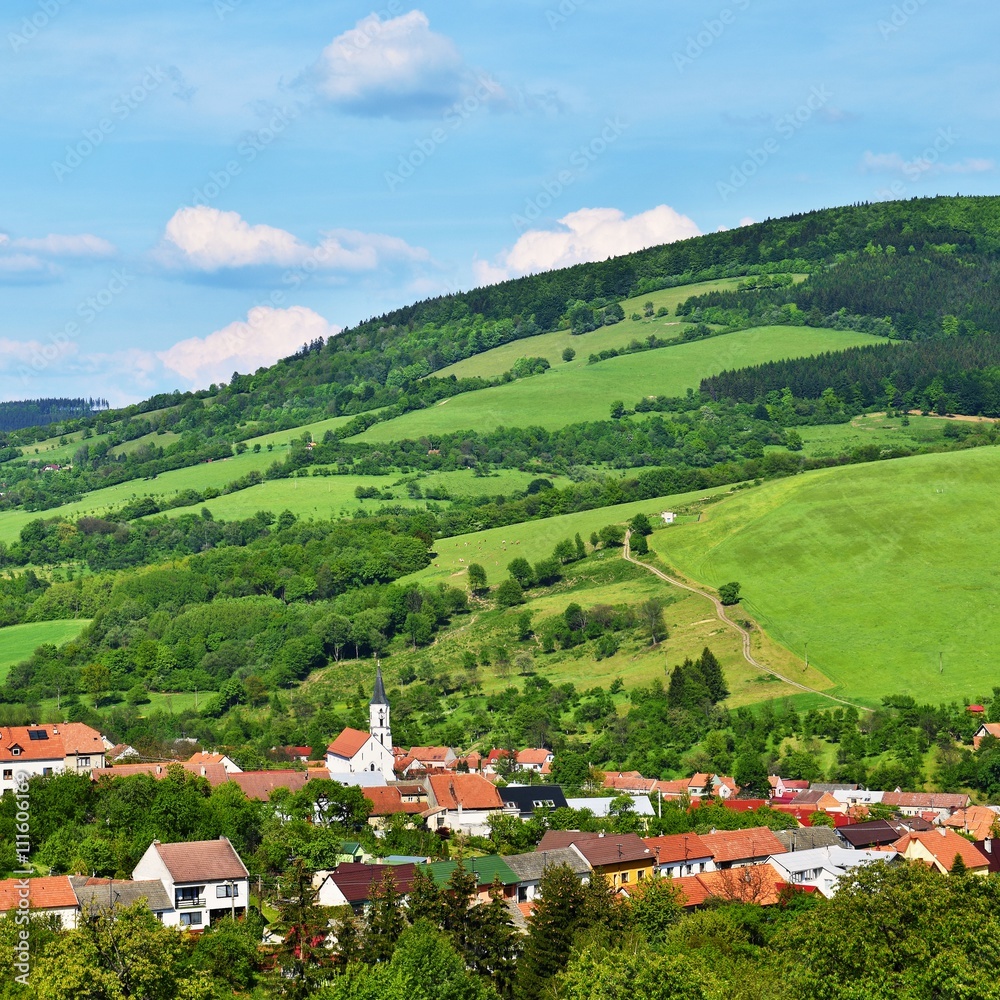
938,849
622,857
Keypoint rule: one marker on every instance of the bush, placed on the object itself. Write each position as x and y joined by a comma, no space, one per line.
729,593
509,594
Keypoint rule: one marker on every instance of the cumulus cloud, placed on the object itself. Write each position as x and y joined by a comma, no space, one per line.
209,240
397,68
266,335
586,235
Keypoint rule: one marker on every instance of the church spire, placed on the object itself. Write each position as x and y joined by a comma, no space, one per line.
378,713
379,698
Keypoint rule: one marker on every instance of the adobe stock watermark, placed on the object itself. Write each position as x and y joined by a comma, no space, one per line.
31,27
925,162
87,310
250,147
580,161
451,122
22,847
899,17
563,12
121,108
786,127
711,31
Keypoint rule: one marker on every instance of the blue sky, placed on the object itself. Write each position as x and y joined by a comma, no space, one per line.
195,190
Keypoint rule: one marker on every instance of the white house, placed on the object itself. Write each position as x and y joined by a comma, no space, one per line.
822,867
51,895
37,751
205,880
529,869
462,802
668,517
681,854
203,757
353,750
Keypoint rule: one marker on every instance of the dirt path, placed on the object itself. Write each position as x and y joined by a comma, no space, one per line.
726,620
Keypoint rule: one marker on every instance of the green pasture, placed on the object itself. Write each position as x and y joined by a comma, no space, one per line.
870,429
887,571
280,440
18,642
569,393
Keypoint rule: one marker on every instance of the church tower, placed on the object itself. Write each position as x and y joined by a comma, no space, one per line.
378,713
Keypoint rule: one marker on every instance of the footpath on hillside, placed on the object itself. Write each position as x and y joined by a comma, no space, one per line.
725,619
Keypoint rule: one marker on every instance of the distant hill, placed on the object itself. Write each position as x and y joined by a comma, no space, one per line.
15,416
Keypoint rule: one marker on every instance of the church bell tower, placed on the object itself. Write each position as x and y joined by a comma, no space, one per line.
378,713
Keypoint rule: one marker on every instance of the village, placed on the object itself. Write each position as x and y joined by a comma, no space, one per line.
833,830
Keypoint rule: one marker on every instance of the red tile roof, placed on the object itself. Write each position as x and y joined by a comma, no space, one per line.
978,821
728,846
16,744
599,849
348,743
759,884
79,739
472,791
201,860
431,755
943,845
533,756
677,847
214,774
259,785
925,800
204,757
53,892
389,800
693,891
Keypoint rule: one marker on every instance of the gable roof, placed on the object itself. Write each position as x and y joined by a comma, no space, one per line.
214,774
103,893
486,870
925,800
740,845
432,755
259,785
355,880
31,743
877,831
79,739
471,791
201,860
348,743
388,801
678,847
808,838
599,849
977,821
531,867
943,845
554,840
53,892
533,756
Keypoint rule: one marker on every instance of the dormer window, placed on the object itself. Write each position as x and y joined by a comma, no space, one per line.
15,751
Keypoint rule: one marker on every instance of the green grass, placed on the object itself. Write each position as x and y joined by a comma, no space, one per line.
18,642
879,568
551,345
873,428
280,440
575,392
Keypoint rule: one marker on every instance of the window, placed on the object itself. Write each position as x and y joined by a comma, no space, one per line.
624,878
190,919
83,762
227,891
46,771
15,751
642,875
8,774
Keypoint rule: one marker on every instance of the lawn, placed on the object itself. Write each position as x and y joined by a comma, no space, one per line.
18,642
887,571
569,393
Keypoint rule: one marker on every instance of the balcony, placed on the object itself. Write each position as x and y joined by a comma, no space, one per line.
196,903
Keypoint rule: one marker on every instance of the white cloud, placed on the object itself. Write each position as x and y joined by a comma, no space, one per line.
209,240
586,235
30,260
266,335
928,162
31,357
56,245
397,68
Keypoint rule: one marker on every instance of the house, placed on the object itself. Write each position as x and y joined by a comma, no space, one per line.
486,871
600,807
851,798
808,838
990,849
37,751
529,869
822,867
876,833
461,802
526,799
204,879
120,752
986,729
707,785
979,822
260,785
681,854
758,883
214,774
103,894
668,517
52,895
432,758
631,782
737,848
780,787
351,884
499,760
300,754
816,800
387,802
204,757
623,858
354,751
536,760
942,804
939,848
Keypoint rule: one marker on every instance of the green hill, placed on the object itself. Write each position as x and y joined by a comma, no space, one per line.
886,570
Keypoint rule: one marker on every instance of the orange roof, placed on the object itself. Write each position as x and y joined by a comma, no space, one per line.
78,738
387,801
259,785
976,820
54,892
431,755
740,845
31,743
693,890
753,884
472,791
677,847
533,756
215,774
944,845
348,743
204,757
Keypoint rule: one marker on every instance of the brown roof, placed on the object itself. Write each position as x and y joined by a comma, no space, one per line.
388,801
741,845
214,774
259,785
201,860
925,800
348,743
53,892
554,840
614,848
355,880
102,893
677,847
944,845
471,791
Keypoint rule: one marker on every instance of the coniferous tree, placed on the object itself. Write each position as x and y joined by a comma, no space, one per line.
711,670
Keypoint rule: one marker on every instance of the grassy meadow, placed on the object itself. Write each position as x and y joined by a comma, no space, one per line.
887,571
574,392
18,642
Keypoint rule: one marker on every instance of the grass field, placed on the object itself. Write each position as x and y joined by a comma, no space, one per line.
577,391
888,571
872,428
18,642
551,345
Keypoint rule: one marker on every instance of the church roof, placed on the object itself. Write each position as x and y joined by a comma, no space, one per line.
379,698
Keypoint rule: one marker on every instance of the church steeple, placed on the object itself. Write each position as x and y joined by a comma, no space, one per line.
378,712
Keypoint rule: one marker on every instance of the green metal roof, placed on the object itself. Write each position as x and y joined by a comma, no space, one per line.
486,870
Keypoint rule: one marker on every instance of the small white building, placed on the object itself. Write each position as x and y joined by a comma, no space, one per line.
205,880
822,867
668,517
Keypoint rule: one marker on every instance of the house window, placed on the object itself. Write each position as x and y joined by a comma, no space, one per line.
641,875
8,774
15,751
189,896
227,891
46,771
624,878
83,762
190,919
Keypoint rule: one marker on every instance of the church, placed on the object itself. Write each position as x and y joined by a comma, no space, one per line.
354,751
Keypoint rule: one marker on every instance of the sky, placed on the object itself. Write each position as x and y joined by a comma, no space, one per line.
199,188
